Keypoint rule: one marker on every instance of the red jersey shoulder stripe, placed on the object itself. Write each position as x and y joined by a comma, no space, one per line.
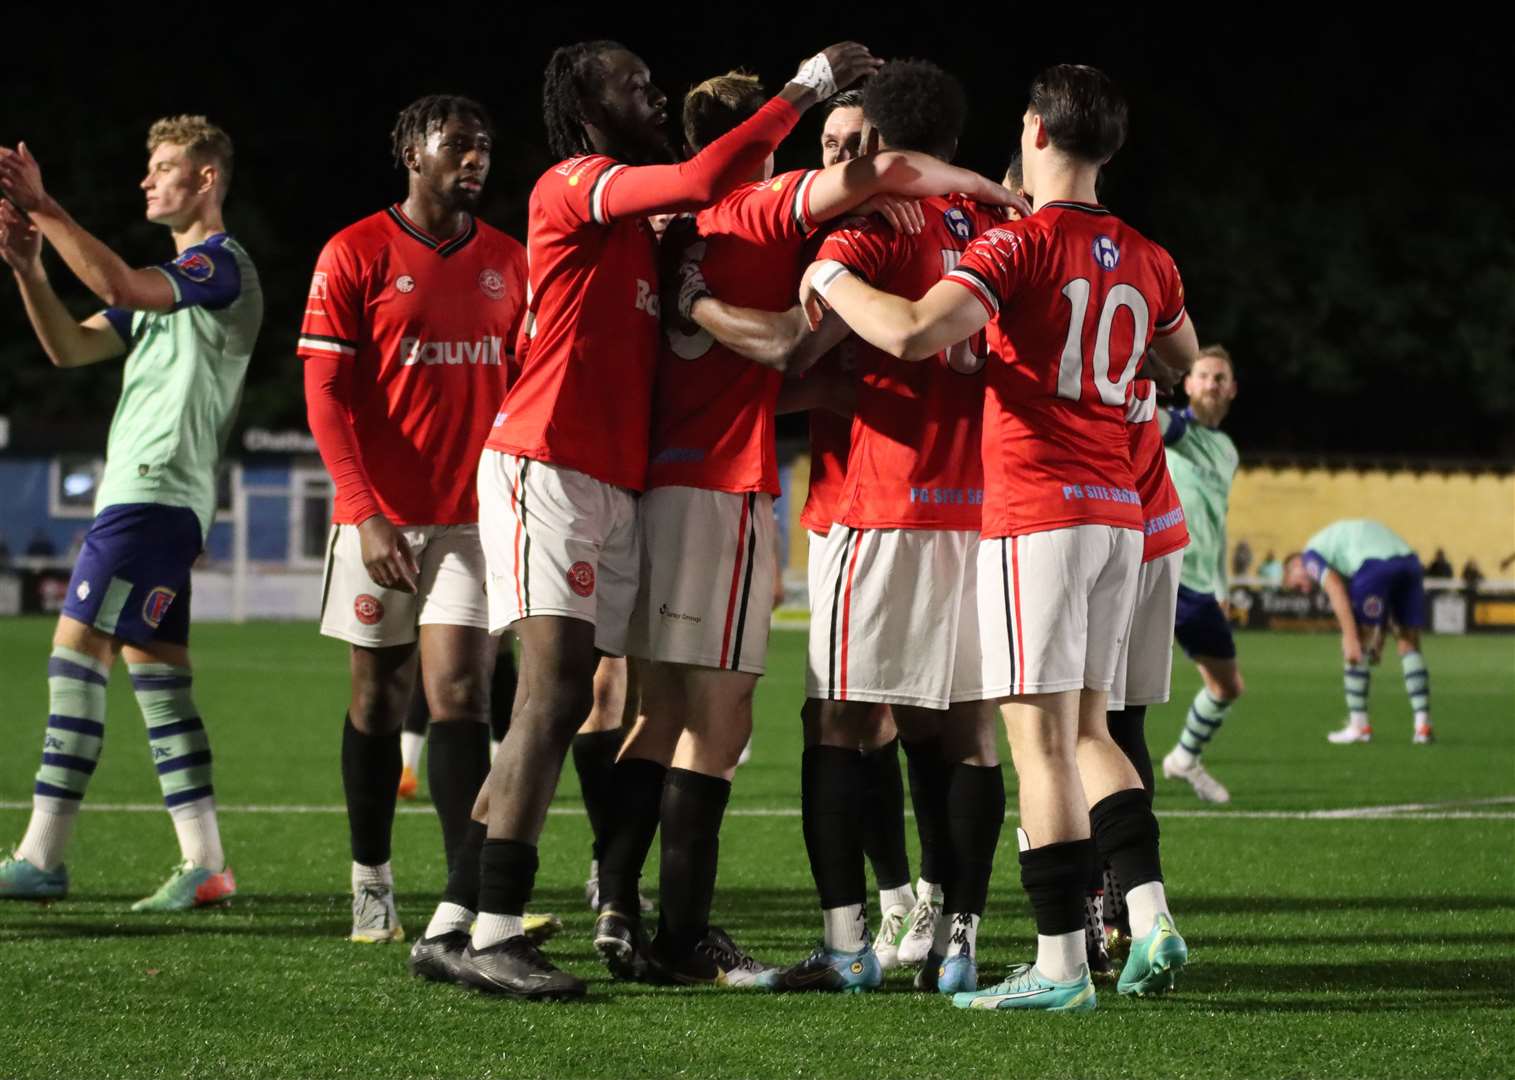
978,285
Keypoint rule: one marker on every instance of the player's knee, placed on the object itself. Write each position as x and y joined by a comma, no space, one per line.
376,710
1233,687
461,696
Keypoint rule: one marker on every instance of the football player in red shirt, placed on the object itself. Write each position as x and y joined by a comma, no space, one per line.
705,598
1072,298
411,316
894,618
559,475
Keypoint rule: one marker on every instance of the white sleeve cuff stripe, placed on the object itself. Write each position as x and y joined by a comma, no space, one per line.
317,345
1173,323
973,282
597,194
802,200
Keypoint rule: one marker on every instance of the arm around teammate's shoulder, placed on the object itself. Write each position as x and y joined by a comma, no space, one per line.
910,330
847,185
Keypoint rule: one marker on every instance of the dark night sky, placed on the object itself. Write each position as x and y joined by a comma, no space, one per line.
1330,195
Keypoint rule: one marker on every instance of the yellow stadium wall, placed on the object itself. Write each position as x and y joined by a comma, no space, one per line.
1465,514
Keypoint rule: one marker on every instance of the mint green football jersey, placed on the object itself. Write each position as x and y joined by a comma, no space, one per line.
183,381
1346,545
1202,462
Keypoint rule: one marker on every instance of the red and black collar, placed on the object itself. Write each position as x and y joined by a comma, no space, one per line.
443,248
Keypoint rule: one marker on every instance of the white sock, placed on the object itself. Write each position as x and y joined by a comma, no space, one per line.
48,832
846,927
962,934
494,748
1184,759
1144,904
493,929
930,891
1060,956
903,896
1358,720
449,917
199,834
373,877
1423,718
410,749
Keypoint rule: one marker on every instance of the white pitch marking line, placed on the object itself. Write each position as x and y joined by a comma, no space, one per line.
1454,810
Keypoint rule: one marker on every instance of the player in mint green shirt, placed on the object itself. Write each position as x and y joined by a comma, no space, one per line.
187,329
1371,576
1202,461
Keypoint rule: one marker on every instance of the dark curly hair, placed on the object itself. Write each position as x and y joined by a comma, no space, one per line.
915,105
1082,111
430,112
574,73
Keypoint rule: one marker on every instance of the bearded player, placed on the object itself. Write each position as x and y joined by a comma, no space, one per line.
559,475
411,317
187,329
1072,298
1202,460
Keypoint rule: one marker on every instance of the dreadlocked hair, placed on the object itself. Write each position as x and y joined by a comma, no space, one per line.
433,111
574,72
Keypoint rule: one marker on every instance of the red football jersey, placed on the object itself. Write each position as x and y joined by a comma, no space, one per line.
426,325
713,410
830,439
914,461
583,396
1075,296
1162,513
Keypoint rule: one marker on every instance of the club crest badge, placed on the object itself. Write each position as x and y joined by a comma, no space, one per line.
581,578
156,605
368,609
492,283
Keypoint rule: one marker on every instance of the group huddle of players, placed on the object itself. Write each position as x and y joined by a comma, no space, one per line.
993,532
574,441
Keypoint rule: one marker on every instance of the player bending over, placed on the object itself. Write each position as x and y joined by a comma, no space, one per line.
1202,461
1072,297
568,453
187,329
1371,576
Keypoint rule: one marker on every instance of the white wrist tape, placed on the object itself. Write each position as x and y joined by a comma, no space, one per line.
815,74
827,274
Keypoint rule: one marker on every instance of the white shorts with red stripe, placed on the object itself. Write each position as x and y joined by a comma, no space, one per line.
449,588
558,542
893,618
1144,670
708,564
1055,608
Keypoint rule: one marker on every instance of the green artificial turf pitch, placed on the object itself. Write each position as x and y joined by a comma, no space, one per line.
1349,945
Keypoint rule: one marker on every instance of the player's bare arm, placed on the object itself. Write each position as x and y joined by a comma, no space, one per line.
910,330
903,174
67,342
101,270
1174,354
834,392
1341,606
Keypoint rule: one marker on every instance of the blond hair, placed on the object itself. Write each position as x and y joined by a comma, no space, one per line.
719,104
1219,353
202,141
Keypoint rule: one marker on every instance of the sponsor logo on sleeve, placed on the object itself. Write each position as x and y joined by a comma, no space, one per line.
318,285
368,609
156,605
581,578
195,266
1106,253
492,283
82,592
